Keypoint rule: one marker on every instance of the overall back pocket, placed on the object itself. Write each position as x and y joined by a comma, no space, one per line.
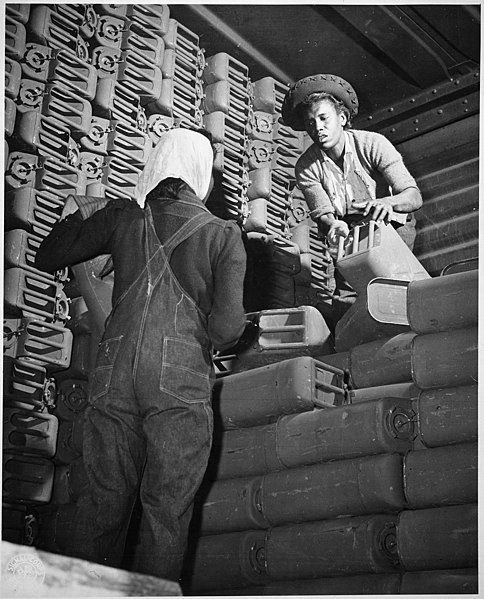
185,370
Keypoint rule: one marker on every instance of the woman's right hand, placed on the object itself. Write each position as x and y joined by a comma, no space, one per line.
338,229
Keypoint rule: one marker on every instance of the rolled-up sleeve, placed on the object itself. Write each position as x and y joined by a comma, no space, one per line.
309,180
226,322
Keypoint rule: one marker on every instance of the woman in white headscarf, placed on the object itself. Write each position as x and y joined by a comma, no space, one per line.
177,295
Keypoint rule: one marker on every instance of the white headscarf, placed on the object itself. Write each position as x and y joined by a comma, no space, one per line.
180,153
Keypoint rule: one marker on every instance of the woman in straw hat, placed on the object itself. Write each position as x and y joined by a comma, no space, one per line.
347,175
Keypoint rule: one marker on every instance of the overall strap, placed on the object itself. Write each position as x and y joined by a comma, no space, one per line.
186,230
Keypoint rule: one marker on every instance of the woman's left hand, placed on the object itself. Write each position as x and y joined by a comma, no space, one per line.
381,210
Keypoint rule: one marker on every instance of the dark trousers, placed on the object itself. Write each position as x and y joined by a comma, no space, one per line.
164,456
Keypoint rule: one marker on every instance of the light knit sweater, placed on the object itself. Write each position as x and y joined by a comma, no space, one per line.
377,156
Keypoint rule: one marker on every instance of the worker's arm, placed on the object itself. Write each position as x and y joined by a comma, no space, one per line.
227,320
383,209
74,240
405,196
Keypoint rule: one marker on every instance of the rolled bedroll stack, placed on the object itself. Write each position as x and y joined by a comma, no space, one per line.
354,487
367,428
263,394
438,538
441,476
447,415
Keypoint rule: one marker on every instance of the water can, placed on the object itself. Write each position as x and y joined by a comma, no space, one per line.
342,546
441,476
438,538
263,394
367,428
446,359
448,415
231,560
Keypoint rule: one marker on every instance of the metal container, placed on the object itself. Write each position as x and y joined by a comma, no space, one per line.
49,344
285,333
322,491
442,582
367,428
358,326
26,431
443,303
232,560
387,300
446,359
427,305
333,547
263,394
377,251
408,390
232,505
27,478
447,416
26,383
30,295
369,485
340,360
438,538
72,398
382,362
359,584
441,476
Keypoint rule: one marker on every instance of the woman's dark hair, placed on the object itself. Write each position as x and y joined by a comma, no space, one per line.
315,97
171,187
168,188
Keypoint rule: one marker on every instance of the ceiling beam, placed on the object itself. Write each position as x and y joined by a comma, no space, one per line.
242,44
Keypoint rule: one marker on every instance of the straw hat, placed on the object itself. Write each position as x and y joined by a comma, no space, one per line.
329,84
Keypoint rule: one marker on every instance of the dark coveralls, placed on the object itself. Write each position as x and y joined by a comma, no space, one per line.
149,423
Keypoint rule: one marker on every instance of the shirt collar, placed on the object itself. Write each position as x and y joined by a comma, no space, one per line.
349,148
